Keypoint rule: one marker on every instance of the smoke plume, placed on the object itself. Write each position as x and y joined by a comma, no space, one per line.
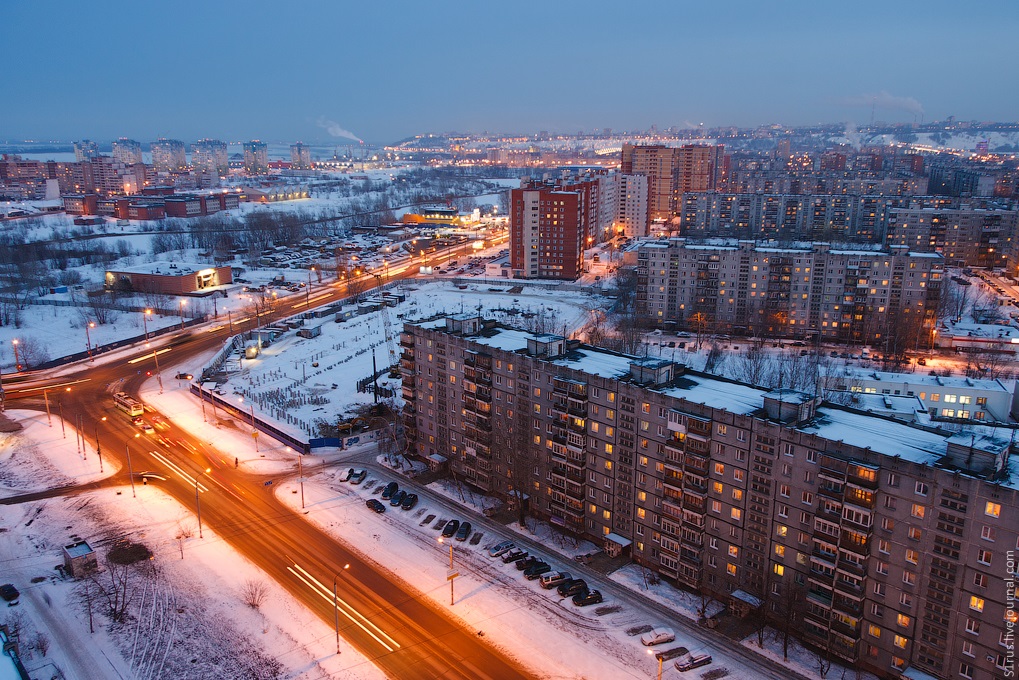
334,129
885,101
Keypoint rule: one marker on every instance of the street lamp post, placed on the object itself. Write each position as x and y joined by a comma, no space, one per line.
99,451
182,303
198,502
17,361
145,323
661,659
130,470
159,374
336,609
307,291
88,341
451,575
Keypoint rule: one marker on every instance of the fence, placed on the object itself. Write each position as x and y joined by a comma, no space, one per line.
246,416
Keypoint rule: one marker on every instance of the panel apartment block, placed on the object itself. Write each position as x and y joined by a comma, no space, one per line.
846,295
886,544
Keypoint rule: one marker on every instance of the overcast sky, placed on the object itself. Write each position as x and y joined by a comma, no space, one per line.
283,71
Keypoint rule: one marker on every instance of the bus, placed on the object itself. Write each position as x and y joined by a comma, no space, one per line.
128,405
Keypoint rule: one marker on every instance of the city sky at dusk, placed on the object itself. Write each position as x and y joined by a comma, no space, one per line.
384,71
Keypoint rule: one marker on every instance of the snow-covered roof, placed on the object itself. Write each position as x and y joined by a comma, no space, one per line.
888,437
921,380
163,267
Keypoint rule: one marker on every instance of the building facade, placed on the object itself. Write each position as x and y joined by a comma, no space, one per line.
551,222
127,151
965,237
256,157
168,155
210,155
673,171
85,149
300,156
886,544
888,297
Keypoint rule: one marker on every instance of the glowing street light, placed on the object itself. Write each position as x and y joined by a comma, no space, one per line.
336,609
88,341
17,361
145,323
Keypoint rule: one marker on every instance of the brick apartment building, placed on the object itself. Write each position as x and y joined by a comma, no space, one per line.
884,543
672,172
858,295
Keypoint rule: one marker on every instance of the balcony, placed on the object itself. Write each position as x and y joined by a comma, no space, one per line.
407,355
575,491
672,510
407,365
406,340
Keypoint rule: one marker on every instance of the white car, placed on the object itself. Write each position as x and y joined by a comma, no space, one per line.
657,636
498,549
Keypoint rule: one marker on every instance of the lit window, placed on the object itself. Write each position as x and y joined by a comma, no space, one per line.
900,642
976,603
992,509
918,511
731,568
733,551
874,631
779,570
736,514
780,550
903,620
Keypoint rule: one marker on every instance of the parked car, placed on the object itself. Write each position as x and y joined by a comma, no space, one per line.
527,562
693,661
500,548
536,570
358,476
397,498
551,579
464,532
409,501
376,505
10,594
513,555
571,587
657,636
586,597
350,473
390,490
452,526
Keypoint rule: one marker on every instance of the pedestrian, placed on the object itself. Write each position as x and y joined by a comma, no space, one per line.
237,462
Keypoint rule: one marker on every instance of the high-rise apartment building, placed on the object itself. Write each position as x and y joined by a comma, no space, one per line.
210,155
891,546
673,171
85,149
551,223
168,155
965,237
256,157
632,214
300,156
127,151
888,297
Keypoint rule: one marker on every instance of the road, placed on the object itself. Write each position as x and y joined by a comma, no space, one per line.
385,619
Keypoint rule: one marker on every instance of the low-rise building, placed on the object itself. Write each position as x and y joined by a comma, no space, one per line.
168,278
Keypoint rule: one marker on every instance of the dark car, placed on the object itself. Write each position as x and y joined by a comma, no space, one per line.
409,501
398,498
390,489
346,477
375,505
586,597
570,588
514,555
527,562
184,376
536,570
464,532
452,526
10,594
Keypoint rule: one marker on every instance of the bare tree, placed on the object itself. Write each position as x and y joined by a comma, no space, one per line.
32,352
753,364
41,643
255,592
715,361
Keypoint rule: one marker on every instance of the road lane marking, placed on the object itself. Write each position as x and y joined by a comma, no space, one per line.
327,595
176,468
